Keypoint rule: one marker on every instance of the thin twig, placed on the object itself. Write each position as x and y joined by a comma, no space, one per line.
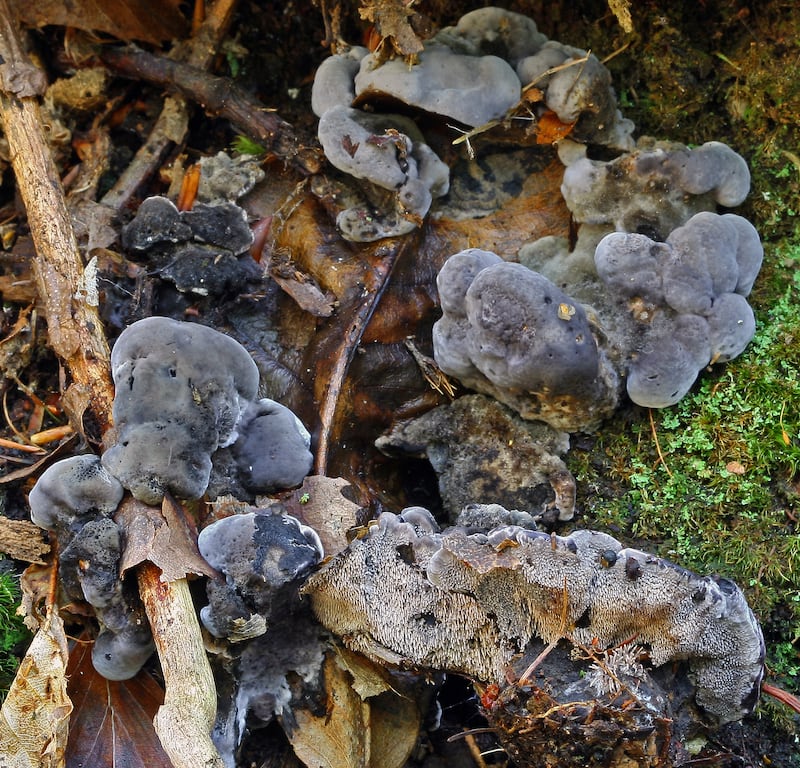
74,327
218,96
655,439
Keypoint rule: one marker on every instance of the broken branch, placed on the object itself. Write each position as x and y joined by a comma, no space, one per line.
219,97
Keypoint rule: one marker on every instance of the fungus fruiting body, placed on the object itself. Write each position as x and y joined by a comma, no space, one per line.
184,393
181,390
470,75
511,333
488,594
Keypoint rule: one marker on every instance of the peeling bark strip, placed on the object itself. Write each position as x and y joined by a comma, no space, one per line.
75,329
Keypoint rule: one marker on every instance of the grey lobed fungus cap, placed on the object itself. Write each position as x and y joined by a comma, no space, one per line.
181,390
470,89
273,448
687,297
655,188
469,603
259,553
73,491
509,332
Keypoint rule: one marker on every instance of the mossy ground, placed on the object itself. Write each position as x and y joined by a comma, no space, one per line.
13,634
714,482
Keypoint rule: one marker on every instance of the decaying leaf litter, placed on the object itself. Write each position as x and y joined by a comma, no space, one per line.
374,337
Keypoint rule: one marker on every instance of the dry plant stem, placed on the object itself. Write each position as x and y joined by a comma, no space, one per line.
183,723
219,97
74,327
171,126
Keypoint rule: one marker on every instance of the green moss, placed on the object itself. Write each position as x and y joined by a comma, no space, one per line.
13,634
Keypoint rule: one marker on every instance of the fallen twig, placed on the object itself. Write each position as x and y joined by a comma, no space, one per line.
74,326
184,721
173,122
219,97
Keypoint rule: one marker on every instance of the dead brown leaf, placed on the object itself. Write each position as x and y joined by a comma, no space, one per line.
321,503
34,719
392,21
367,724
153,21
165,537
112,722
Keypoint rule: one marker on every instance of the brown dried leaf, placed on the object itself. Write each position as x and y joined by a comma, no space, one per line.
321,503
366,725
35,716
392,20
164,537
112,721
152,21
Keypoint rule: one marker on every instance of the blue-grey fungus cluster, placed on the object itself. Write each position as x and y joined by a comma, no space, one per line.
655,188
202,251
390,158
468,603
472,90
687,297
75,498
263,554
509,332
470,74
184,393
181,391
259,553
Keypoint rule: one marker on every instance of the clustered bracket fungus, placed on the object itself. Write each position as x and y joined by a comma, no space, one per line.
687,298
471,74
410,595
654,291
480,449
184,393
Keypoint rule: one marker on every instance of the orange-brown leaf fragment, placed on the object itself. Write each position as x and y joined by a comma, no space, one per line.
549,129
164,537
